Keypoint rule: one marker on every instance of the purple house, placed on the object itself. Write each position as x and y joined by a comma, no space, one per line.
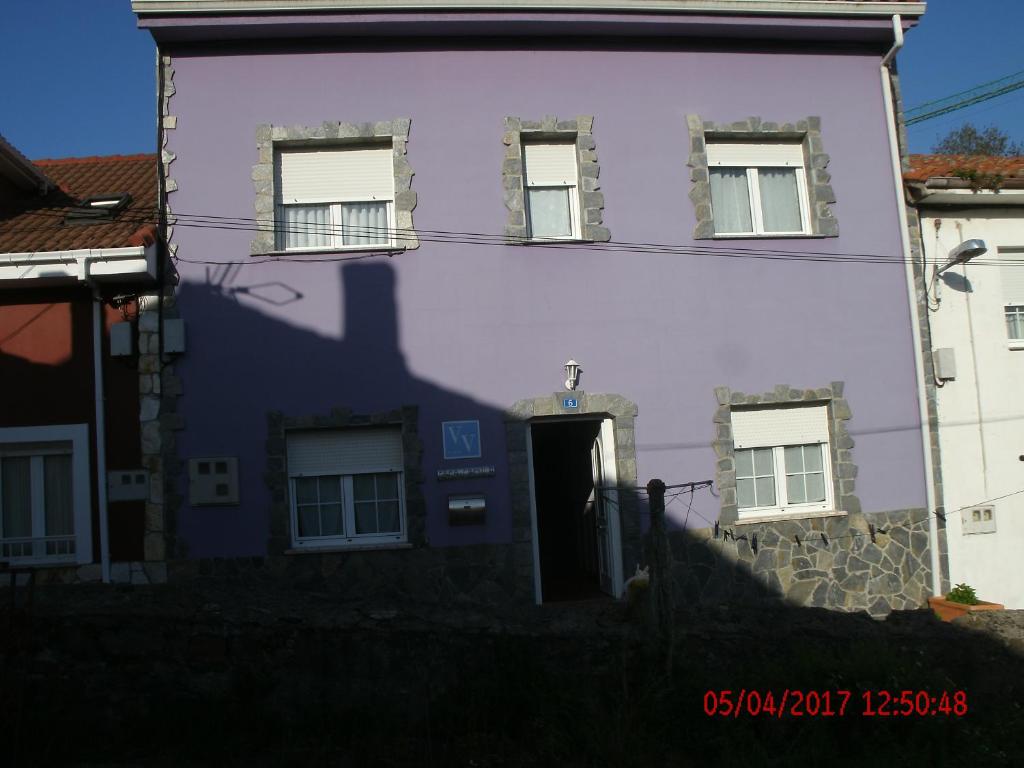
458,279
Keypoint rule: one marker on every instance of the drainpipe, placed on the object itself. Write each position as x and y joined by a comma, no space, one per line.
101,432
922,395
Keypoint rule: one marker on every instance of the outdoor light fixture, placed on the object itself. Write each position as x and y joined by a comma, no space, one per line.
572,374
963,253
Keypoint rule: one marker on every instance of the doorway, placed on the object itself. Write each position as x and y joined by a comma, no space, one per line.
575,509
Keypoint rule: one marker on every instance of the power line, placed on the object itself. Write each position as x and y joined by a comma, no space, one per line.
976,95
203,221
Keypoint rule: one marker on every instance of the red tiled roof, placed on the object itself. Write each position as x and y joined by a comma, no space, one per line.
37,224
924,167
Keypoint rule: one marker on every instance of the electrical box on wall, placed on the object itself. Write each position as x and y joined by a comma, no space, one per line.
213,481
128,485
122,340
945,363
979,520
174,336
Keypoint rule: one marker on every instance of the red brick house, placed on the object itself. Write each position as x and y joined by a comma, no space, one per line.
78,245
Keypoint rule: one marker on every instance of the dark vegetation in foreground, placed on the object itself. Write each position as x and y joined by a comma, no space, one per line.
164,676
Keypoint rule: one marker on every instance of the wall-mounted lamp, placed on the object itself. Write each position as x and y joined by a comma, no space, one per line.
572,374
963,253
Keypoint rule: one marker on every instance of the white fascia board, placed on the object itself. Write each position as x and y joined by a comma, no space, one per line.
967,197
88,264
738,7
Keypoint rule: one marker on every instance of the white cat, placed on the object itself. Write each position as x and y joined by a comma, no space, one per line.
634,584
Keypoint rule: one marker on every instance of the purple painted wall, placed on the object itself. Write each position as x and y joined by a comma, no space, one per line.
465,330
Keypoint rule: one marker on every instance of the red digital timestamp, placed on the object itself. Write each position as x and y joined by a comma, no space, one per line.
837,703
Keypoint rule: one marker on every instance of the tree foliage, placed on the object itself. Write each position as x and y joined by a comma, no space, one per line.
968,140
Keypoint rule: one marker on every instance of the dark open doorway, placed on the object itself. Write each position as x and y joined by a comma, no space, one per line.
567,508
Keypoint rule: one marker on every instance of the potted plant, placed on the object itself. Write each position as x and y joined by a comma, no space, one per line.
961,600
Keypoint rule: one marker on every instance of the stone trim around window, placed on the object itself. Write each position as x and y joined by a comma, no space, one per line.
276,476
808,131
331,134
588,169
844,471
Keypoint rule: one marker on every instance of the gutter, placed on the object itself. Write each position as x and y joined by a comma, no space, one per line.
82,265
732,7
100,419
922,394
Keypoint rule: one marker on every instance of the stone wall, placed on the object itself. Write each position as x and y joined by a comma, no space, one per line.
848,570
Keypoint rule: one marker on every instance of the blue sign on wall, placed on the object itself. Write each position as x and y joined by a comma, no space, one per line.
570,402
461,439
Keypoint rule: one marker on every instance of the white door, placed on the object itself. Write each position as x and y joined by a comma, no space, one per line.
606,510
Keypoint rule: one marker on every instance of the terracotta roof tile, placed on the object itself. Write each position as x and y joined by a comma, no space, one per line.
37,224
924,167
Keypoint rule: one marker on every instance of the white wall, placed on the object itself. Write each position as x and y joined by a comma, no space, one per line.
981,413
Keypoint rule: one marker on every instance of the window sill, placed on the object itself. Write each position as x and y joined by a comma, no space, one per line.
552,241
339,548
1014,345
8,565
786,516
773,236
361,250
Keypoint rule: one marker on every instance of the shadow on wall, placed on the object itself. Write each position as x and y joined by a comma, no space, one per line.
250,375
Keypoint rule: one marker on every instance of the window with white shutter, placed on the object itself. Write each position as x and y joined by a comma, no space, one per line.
782,460
758,188
552,197
334,198
1011,270
346,487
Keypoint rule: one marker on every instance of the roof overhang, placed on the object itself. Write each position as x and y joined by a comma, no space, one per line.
136,264
21,171
854,21
926,195
745,7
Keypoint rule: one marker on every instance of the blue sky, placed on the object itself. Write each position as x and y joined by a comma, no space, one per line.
76,76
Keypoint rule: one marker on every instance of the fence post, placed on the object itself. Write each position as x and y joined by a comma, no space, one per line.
661,573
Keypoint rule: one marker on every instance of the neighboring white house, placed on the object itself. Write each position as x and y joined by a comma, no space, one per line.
975,319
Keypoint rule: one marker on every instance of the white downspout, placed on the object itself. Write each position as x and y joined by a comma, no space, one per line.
922,395
101,432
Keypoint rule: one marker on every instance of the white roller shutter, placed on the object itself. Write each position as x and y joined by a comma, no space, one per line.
1012,273
344,452
767,427
731,155
550,165
334,175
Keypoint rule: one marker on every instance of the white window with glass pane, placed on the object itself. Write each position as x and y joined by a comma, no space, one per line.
44,495
346,487
337,198
782,460
1011,269
552,198
758,189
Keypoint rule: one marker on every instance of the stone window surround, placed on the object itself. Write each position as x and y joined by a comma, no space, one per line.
276,477
844,471
807,131
588,171
332,134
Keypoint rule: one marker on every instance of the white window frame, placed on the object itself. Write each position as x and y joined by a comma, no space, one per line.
334,203
50,440
572,188
782,506
750,157
1012,278
347,539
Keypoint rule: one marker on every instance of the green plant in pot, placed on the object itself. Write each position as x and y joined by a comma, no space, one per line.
961,600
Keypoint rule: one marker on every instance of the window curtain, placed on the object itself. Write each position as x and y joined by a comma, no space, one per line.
364,223
16,500
549,212
1015,321
780,201
306,226
730,200
57,495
